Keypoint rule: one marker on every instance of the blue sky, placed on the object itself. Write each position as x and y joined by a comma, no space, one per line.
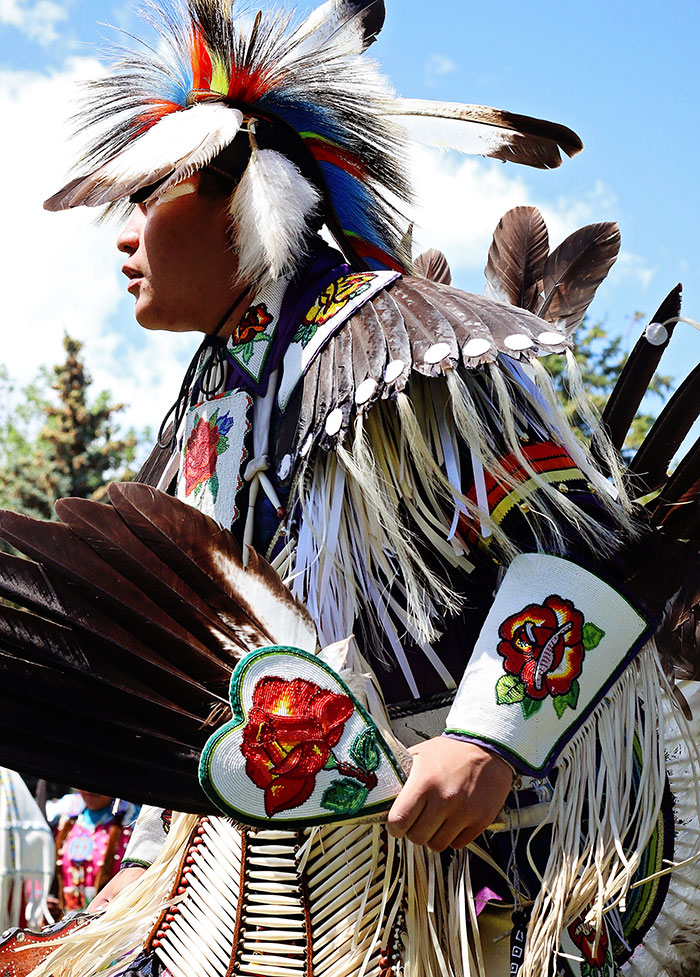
623,75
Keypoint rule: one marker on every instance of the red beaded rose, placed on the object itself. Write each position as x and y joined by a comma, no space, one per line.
200,454
287,741
543,645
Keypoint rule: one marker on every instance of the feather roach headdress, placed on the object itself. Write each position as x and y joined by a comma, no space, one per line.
302,125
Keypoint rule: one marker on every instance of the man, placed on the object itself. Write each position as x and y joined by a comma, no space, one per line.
393,448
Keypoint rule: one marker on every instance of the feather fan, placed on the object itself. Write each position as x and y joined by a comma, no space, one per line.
111,631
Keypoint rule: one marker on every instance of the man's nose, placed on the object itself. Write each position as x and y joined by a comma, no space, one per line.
129,237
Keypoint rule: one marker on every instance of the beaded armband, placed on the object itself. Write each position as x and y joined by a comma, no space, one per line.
555,641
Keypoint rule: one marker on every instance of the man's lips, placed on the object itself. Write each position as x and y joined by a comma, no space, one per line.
133,275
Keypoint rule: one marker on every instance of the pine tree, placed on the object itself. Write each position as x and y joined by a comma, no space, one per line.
67,445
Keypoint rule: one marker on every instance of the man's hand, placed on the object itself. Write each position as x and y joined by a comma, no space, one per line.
120,881
454,791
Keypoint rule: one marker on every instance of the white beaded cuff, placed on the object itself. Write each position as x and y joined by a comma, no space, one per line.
556,639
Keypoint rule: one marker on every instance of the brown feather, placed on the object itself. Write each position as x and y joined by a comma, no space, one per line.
209,557
426,324
480,129
573,272
394,329
38,589
433,264
105,532
649,467
52,646
677,506
58,547
515,264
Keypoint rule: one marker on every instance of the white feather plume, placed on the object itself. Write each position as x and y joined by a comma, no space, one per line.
270,211
176,147
336,21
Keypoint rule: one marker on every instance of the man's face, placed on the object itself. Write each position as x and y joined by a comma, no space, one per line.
180,265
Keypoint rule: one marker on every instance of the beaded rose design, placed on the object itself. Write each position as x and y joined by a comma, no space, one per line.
543,648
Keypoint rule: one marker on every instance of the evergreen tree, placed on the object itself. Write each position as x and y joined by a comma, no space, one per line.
65,445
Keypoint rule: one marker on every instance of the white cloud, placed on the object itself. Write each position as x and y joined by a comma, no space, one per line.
38,21
59,271
462,200
437,66
634,268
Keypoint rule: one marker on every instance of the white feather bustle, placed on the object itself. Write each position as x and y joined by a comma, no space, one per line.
270,211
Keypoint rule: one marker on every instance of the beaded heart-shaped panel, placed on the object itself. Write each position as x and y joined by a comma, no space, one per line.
300,749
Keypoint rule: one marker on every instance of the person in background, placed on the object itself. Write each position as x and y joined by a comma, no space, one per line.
89,848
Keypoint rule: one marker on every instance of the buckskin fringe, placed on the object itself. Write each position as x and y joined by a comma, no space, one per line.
596,803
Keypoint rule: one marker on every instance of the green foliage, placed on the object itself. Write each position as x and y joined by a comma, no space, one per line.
601,358
56,442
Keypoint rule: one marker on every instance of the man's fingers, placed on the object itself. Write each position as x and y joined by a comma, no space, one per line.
405,811
466,836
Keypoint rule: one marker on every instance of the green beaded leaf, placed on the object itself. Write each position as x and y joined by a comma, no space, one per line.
530,706
364,751
509,690
568,701
214,486
345,797
592,636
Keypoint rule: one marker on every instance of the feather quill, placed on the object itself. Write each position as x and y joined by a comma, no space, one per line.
516,259
179,145
269,213
483,131
573,272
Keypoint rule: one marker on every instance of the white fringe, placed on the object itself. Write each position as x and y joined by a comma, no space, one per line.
672,946
587,871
